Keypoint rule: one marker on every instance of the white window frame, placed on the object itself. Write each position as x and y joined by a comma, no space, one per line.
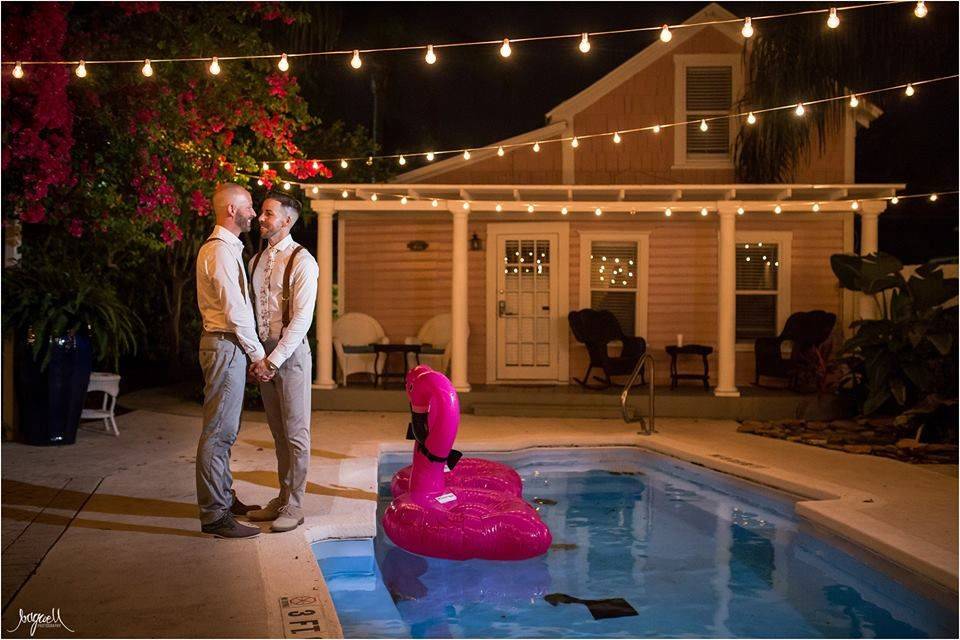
680,64
784,242
642,238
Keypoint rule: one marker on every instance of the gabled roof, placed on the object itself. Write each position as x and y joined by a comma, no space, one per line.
456,162
644,59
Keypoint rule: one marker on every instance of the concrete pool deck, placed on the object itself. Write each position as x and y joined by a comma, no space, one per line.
106,530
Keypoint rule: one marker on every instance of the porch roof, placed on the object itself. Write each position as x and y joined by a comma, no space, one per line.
610,197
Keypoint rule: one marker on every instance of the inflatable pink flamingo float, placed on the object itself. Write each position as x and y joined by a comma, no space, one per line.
455,522
472,473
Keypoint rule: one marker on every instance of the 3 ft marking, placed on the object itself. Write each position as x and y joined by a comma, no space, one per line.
301,617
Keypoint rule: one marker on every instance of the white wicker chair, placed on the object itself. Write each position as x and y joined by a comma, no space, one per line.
353,333
435,332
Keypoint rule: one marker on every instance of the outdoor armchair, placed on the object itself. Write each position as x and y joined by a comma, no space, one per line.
353,333
434,336
596,330
807,331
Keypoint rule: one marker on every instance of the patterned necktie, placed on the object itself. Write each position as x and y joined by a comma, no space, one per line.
264,295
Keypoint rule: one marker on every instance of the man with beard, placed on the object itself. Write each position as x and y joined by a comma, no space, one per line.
229,338
284,286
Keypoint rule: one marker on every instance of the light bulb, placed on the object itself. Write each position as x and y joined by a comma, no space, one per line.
265,166
401,160
668,212
778,209
81,70
529,208
933,197
656,128
315,190
286,185
434,203
909,90
499,207
894,200
616,137
18,71
816,207
747,30
284,64
833,21
260,182
369,161
703,125
431,57
215,66
430,156
854,101
748,258
854,205
147,68
921,10
286,166
315,165
584,44
343,163
665,35
505,50
799,110
466,154
536,147
466,205
564,211
598,211
374,198
704,212
575,142
344,194
355,61
500,151
403,200
740,211
751,119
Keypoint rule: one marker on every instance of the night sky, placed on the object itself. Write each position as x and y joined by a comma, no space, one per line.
472,96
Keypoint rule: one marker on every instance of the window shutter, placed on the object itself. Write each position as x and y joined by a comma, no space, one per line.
709,93
758,267
756,316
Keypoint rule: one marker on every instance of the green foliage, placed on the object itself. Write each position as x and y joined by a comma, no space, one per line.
50,299
907,358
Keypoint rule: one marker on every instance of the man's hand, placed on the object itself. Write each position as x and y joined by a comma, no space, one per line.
260,371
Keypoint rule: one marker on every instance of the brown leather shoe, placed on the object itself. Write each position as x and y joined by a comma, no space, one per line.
240,509
227,527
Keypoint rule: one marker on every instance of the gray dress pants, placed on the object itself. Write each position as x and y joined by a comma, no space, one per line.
224,367
286,400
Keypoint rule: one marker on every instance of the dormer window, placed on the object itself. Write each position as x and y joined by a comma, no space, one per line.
706,87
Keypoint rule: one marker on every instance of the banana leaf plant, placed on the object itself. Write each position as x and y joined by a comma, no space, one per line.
905,360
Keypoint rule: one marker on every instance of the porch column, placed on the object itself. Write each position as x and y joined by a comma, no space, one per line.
458,306
324,355
869,212
727,302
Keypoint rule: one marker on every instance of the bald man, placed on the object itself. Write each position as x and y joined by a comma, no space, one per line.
228,343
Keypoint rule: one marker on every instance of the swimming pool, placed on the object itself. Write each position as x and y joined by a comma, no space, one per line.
643,546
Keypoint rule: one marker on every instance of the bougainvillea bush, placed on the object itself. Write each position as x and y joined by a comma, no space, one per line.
115,171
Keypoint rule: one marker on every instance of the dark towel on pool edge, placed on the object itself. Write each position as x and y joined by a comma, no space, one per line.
599,609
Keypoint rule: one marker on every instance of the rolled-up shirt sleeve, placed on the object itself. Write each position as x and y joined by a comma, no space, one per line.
303,300
237,310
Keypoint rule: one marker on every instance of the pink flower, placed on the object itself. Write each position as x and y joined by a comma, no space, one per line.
75,228
199,203
34,214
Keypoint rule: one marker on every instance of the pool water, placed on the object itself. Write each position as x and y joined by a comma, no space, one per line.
643,546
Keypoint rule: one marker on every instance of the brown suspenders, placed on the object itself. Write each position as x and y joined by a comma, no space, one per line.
287,274
240,280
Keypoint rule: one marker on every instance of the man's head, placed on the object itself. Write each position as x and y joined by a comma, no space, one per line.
233,207
278,215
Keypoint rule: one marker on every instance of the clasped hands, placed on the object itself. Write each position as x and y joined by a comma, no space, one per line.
260,371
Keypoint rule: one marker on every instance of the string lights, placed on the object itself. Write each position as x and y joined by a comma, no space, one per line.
583,39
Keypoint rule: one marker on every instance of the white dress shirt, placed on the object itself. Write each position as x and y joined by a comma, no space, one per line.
224,306
303,297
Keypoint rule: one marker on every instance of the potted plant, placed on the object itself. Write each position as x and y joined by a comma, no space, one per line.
62,319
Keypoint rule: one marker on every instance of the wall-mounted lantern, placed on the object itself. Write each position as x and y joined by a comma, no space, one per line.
475,243
417,245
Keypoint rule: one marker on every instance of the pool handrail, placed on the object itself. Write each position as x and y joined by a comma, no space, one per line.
646,427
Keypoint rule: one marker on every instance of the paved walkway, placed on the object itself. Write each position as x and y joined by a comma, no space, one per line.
106,530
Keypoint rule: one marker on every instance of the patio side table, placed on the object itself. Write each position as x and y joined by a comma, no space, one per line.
386,350
689,349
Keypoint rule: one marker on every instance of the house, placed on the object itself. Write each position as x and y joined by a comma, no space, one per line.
652,227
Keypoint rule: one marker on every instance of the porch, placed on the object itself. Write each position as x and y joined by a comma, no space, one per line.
712,215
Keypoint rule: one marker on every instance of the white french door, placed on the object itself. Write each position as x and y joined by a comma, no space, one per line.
527,305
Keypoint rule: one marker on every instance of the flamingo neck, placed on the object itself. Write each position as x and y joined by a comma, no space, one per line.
443,417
